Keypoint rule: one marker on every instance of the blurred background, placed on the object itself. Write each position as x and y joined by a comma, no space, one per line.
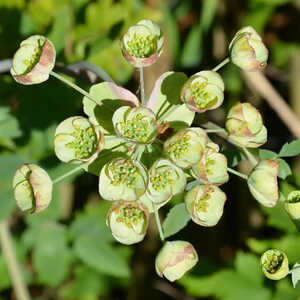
67,252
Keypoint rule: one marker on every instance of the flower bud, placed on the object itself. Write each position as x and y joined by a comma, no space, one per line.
274,264
128,222
205,204
203,91
165,181
247,50
142,43
245,126
212,167
124,179
262,182
33,61
77,140
136,124
292,204
186,147
175,259
32,188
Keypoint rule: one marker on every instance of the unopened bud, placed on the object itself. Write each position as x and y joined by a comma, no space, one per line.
275,264
142,43
33,61
247,50
262,182
175,259
32,188
203,91
245,126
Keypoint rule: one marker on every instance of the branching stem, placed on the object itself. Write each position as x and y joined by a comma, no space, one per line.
221,64
142,86
244,176
158,224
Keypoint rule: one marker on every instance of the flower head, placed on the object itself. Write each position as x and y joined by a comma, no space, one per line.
122,179
245,126
77,140
205,204
32,188
186,147
275,264
292,204
33,61
262,182
175,259
128,222
203,91
142,43
247,50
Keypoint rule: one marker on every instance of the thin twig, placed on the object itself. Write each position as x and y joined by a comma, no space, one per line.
259,82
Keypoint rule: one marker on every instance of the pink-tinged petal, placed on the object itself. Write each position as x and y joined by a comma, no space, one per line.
123,94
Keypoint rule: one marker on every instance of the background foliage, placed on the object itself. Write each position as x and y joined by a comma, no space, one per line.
67,252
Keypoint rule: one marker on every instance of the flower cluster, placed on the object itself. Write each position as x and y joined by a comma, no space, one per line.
118,124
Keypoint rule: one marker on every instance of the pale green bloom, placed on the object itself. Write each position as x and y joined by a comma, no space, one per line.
142,43
262,182
128,222
77,140
32,188
33,61
292,204
165,181
212,167
245,126
205,204
203,91
123,179
137,125
175,259
247,50
186,147
275,264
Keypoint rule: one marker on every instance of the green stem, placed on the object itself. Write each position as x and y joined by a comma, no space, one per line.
12,263
158,224
221,64
142,86
250,156
60,178
74,86
215,130
244,176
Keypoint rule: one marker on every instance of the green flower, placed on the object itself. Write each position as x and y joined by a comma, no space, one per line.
205,204
137,125
77,140
128,222
212,167
186,147
275,264
122,179
165,181
292,204
32,188
203,91
142,43
247,50
175,259
262,182
245,126
33,61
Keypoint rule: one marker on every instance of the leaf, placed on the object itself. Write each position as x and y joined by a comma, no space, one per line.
290,149
295,274
176,220
233,157
266,154
208,12
284,170
101,256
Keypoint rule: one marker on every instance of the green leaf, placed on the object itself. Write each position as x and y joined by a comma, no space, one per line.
208,12
176,220
284,290
295,274
284,170
266,154
101,256
233,157
290,149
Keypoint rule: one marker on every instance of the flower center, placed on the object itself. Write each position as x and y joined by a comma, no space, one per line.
202,98
180,147
161,179
125,173
202,204
142,46
209,164
85,142
273,261
130,215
